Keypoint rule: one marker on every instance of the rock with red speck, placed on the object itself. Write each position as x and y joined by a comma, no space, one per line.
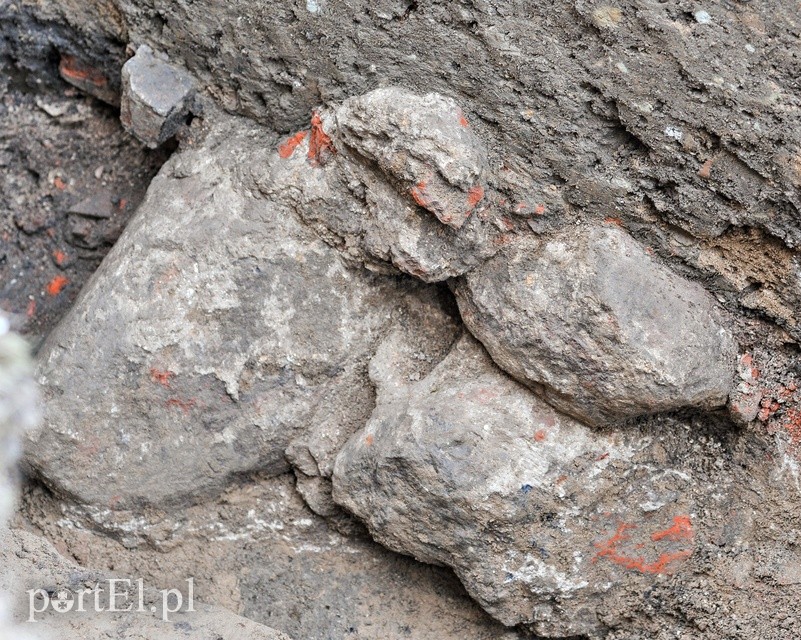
600,329
156,97
360,210
219,330
449,469
423,144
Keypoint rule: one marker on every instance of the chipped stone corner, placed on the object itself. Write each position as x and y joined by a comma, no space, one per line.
156,96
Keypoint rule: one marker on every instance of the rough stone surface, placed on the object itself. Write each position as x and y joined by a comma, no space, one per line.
217,331
596,326
30,562
424,143
588,110
467,468
366,210
156,97
675,122
553,525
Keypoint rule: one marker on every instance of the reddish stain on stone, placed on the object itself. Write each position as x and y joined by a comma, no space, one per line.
609,549
320,144
419,194
603,456
161,377
73,69
368,440
474,196
540,435
705,170
56,285
59,183
792,424
462,120
540,209
611,220
286,149
769,407
59,256
31,310
681,529
183,405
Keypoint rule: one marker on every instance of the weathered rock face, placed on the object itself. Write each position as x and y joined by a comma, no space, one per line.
678,126
155,97
469,469
588,111
602,331
217,331
257,550
424,143
559,527
370,157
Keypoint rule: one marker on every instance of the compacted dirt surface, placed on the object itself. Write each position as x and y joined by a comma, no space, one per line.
70,178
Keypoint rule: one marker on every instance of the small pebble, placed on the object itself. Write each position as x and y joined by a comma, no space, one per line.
702,17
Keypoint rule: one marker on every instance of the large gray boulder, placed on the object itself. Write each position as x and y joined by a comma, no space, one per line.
590,321
212,336
545,521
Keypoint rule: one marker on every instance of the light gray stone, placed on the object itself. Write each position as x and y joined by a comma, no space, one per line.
365,210
467,468
600,329
423,143
217,331
156,97
18,411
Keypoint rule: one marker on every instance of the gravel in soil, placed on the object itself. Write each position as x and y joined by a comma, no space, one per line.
70,179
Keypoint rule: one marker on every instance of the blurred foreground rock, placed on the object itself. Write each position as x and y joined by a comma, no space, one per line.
30,563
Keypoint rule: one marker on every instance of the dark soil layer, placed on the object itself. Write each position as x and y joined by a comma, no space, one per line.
70,178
